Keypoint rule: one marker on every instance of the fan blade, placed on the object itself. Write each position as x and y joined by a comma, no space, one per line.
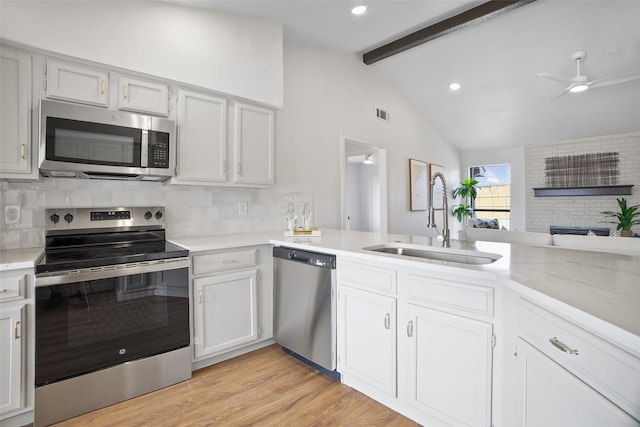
561,93
614,80
553,77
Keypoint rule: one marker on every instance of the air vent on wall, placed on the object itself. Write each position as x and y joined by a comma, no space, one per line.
382,114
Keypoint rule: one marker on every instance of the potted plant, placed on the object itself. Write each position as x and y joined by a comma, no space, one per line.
467,192
628,216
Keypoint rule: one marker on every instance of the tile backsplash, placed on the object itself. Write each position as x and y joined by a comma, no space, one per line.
190,210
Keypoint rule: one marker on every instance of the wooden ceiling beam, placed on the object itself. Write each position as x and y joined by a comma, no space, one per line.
474,15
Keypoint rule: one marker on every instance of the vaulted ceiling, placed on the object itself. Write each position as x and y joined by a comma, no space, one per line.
503,102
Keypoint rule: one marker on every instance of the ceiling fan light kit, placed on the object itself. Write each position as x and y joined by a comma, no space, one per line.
580,83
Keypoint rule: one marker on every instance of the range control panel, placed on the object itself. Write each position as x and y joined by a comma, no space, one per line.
69,219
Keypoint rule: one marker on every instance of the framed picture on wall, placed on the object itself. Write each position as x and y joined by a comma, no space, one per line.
417,185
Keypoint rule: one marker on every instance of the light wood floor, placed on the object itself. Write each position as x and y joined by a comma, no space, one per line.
264,388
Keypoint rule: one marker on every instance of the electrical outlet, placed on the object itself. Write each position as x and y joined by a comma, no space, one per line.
12,214
243,208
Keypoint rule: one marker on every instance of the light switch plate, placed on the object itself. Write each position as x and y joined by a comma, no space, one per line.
12,214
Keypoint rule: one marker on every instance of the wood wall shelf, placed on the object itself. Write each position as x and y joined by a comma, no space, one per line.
610,190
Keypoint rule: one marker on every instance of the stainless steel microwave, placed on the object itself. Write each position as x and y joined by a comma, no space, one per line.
92,142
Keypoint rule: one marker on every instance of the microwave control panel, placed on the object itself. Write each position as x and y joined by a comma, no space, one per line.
158,150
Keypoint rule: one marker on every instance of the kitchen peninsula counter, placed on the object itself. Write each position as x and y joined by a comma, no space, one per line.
600,284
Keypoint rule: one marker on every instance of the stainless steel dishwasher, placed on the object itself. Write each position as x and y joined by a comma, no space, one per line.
305,309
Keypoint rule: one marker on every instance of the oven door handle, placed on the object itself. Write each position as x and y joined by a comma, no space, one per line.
108,271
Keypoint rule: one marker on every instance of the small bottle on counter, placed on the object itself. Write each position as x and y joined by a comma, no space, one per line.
292,216
307,221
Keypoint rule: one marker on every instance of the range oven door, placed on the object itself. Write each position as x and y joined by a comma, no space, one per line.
87,320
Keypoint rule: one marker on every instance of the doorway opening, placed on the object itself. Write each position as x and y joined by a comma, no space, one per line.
364,186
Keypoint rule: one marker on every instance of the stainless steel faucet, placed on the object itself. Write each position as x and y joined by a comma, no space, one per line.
444,237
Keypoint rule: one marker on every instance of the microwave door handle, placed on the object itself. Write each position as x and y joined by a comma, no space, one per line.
144,149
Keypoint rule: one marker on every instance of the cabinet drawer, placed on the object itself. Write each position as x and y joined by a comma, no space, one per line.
208,263
451,295
606,367
12,285
367,276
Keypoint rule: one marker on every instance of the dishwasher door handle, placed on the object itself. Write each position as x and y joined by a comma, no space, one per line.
296,257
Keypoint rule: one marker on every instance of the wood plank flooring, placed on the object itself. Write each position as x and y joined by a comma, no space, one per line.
264,388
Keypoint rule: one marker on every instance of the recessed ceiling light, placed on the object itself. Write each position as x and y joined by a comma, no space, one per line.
454,86
359,10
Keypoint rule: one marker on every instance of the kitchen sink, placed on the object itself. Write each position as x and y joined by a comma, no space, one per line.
439,254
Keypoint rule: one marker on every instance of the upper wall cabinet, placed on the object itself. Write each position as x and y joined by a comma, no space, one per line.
203,154
78,83
16,155
202,139
143,96
254,144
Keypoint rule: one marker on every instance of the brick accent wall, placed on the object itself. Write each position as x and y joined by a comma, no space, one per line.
579,211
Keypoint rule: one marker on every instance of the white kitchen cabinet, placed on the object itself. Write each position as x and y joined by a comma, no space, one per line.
420,342
17,159
367,339
570,376
550,395
16,346
232,306
226,312
202,139
11,351
143,96
77,83
449,367
254,144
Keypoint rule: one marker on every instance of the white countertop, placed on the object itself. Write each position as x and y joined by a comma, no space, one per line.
604,285
13,259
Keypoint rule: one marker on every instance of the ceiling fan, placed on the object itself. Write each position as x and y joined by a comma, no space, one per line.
579,83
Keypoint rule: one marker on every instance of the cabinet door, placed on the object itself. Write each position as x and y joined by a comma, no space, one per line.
202,138
77,83
15,108
367,339
226,314
449,367
143,96
254,145
11,358
549,395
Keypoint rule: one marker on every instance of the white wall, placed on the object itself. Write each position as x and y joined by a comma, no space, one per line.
513,157
229,54
330,93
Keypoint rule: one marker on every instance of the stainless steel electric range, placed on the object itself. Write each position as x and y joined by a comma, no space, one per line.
112,310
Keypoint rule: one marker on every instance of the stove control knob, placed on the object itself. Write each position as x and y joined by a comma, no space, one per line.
158,215
68,217
55,218
147,215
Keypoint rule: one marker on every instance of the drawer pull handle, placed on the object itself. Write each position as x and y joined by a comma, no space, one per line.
2,291
387,321
562,346
22,150
200,297
410,328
